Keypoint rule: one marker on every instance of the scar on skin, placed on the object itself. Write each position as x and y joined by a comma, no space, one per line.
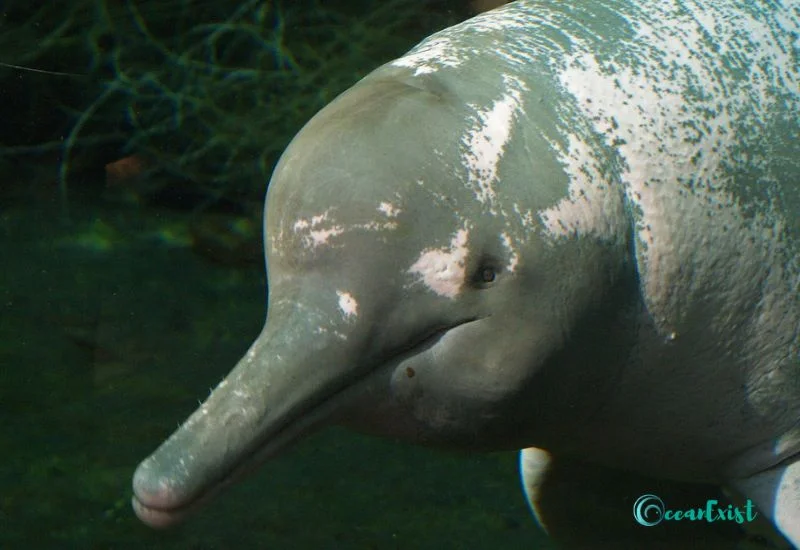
389,209
443,269
347,304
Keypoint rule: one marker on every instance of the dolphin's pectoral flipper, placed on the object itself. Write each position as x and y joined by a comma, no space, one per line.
776,492
584,505
533,467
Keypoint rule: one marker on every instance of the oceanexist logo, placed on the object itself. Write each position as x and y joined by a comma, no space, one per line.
649,510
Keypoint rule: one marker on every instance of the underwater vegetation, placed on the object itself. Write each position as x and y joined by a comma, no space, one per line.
205,94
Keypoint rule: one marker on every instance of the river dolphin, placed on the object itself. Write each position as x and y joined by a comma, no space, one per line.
570,228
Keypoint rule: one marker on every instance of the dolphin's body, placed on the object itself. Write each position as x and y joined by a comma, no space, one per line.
561,226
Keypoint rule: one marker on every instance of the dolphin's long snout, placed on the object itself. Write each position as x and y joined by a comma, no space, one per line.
287,384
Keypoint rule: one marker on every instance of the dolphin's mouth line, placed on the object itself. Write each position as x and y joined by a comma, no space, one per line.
282,436
429,339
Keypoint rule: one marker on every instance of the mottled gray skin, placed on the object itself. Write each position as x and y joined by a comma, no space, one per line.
566,227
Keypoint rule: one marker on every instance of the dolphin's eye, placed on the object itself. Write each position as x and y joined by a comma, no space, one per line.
484,275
